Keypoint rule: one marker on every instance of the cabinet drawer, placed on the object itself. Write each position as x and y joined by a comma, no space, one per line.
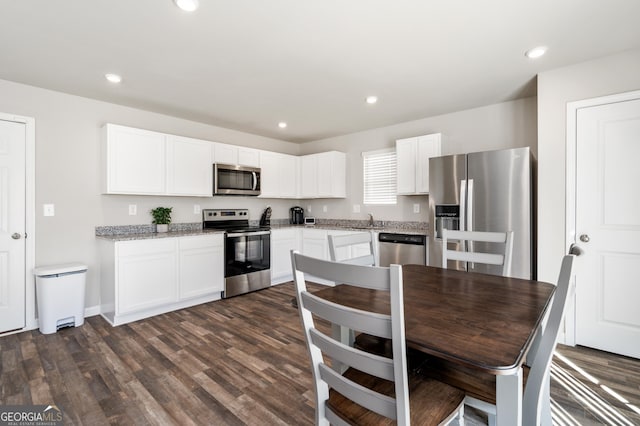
190,243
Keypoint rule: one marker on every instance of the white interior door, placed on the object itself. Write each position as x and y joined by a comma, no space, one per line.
12,225
608,227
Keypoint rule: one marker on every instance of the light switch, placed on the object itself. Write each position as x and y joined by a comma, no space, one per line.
133,209
356,208
196,209
308,209
324,209
416,208
49,210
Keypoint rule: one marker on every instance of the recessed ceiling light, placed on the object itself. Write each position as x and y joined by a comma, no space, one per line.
113,78
372,99
536,52
187,5
282,124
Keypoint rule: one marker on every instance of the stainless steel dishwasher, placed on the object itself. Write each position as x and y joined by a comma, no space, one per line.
402,249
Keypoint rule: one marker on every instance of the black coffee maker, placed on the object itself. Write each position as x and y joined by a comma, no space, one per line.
296,215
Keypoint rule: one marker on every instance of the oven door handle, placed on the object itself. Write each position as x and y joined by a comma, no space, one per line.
248,234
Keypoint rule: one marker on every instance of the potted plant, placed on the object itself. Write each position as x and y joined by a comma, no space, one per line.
162,218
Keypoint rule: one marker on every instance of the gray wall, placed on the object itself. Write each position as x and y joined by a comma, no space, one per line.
68,173
498,126
604,76
68,165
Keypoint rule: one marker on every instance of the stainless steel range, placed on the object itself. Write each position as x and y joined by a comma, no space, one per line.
247,258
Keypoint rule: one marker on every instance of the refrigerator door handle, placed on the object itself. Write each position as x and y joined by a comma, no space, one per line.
469,225
462,224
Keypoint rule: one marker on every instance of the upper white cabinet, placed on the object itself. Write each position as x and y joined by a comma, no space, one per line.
413,156
230,154
279,175
189,167
133,161
143,162
323,175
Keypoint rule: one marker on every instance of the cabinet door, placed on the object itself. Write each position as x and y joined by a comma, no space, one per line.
428,147
269,174
146,274
225,154
282,242
201,265
406,150
189,167
314,243
325,174
309,176
134,160
248,157
289,176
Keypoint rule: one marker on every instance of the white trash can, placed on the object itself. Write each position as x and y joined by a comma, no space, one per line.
60,296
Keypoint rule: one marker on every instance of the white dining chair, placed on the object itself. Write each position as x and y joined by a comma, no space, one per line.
373,390
480,388
468,238
350,242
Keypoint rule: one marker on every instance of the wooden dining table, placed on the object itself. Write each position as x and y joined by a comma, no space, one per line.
481,321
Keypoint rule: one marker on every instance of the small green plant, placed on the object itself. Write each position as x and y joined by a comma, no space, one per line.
161,215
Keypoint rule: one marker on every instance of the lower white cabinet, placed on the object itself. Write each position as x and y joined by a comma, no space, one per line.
201,266
282,242
143,278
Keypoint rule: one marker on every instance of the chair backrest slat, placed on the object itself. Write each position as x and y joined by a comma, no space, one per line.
372,400
349,241
468,252
343,273
353,319
373,364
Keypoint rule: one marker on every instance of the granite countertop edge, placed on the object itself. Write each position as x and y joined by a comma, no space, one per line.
146,232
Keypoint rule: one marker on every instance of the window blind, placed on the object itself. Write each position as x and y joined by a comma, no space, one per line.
379,169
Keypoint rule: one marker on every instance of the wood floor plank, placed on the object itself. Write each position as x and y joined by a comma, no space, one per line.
238,361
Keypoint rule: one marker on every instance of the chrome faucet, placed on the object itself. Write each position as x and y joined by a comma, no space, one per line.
370,219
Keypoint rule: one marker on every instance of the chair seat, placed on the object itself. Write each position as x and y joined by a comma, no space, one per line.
431,402
474,383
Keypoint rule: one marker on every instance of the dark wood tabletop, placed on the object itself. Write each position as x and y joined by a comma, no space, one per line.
482,321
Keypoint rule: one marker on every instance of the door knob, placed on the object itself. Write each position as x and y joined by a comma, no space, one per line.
16,236
584,238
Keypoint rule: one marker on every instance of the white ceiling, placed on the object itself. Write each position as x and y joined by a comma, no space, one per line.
248,64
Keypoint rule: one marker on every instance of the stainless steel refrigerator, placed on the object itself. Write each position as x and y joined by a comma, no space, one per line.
485,191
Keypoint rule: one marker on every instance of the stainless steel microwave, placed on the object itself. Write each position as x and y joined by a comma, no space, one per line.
235,180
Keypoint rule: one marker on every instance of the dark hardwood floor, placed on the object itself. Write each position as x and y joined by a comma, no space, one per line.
235,361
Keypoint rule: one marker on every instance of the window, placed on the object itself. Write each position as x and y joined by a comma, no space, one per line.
379,176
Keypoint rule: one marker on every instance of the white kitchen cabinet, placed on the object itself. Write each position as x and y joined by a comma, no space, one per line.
350,252
412,156
282,242
231,154
201,265
315,243
279,175
133,161
323,175
224,153
146,274
248,157
142,278
142,162
189,166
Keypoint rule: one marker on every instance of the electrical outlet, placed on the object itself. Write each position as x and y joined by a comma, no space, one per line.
133,209
324,209
416,208
49,210
356,208
309,209
196,209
